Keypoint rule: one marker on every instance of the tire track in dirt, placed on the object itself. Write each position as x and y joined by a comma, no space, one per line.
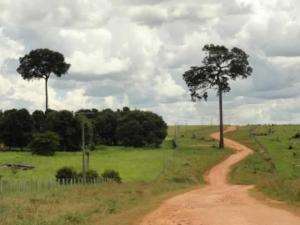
220,203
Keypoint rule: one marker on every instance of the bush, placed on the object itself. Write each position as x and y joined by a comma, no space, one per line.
91,175
297,135
44,143
66,174
92,147
111,175
174,144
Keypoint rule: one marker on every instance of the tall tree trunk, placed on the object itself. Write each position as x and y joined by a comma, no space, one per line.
46,92
221,142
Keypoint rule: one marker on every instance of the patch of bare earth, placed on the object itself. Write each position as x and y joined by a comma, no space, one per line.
220,203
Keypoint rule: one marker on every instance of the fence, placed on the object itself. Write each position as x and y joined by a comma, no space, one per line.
296,164
23,186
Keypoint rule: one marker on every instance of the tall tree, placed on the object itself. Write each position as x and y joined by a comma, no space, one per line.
41,63
219,66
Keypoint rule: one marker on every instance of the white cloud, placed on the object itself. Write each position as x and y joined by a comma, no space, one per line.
95,63
134,53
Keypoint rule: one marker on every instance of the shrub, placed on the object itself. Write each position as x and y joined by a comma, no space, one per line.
174,144
111,175
66,174
91,175
44,143
297,135
92,147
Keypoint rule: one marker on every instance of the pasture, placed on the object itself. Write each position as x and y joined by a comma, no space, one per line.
150,175
134,164
280,150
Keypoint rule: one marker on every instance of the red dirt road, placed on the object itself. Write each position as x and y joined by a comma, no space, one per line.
220,203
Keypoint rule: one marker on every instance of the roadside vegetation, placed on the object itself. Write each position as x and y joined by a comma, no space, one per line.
148,177
275,166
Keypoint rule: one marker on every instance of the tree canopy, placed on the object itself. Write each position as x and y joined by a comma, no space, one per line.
67,126
220,65
40,64
16,128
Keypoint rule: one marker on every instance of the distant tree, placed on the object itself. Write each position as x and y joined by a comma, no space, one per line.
137,128
41,63
130,133
126,109
154,129
16,128
44,143
89,113
220,65
105,125
26,127
85,119
39,118
67,127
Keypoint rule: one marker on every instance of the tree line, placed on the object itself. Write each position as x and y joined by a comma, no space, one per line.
121,127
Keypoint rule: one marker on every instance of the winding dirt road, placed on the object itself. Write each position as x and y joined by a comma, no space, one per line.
220,203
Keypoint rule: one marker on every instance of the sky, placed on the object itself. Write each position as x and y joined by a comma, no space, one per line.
134,52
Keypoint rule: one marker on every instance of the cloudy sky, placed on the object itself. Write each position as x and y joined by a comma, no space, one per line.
134,52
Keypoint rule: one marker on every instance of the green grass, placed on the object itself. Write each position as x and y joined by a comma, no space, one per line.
133,164
153,174
284,182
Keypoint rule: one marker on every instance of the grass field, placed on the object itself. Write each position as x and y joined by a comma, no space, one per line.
283,152
153,174
133,164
